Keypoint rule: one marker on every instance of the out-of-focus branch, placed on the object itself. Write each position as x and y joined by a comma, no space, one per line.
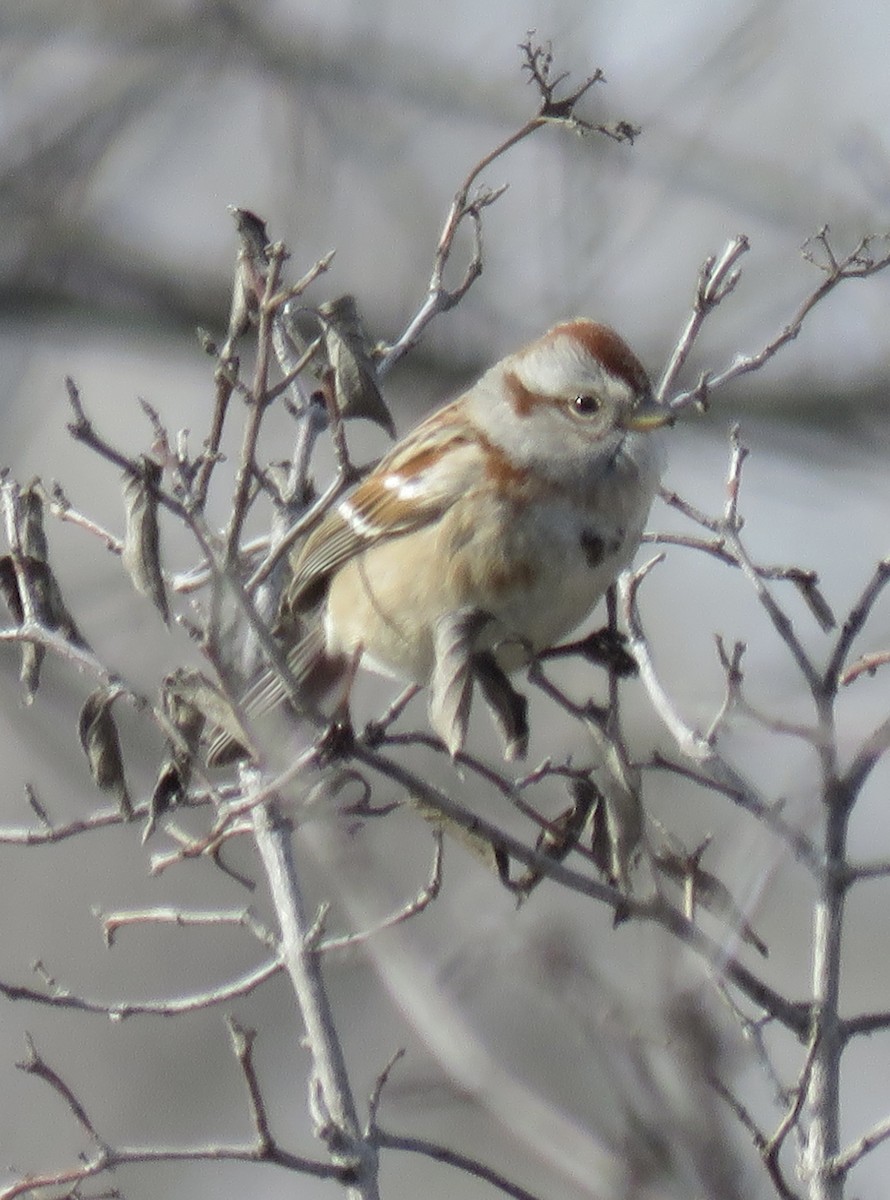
717,280
537,61
844,1162
105,1157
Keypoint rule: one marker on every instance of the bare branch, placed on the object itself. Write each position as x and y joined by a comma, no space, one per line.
49,833
866,1024
853,626
183,919
780,620
844,1162
865,760
242,1045
709,768
716,280
860,263
867,665
742,1114
798,1098
867,870
377,1092
61,508
790,1014
175,1006
692,743
444,1154
421,901
258,402
769,815
537,62
35,1064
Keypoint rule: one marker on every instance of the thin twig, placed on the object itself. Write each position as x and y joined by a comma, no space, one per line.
794,1016
120,1010
852,627
415,906
843,1163
716,280
445,1154
860,263
183,919
258,404
799,1095
552,110
35,1064
242,1045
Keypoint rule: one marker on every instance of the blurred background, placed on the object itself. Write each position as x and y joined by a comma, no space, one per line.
126,129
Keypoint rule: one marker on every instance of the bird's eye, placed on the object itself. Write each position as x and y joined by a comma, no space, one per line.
586,406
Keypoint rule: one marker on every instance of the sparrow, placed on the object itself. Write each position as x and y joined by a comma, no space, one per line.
488,533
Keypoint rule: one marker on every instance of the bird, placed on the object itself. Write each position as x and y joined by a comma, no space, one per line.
488,533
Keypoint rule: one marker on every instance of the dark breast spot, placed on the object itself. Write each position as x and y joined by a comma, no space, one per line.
595,548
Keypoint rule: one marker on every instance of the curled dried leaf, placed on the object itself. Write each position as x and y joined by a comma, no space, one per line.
619,783
251,273
99,738
28,584
188,700
32,537
39,591
348,353
807,583
141,554
9,589
32,655
565,831
192,704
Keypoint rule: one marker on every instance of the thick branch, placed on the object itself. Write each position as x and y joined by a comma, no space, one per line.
331,1098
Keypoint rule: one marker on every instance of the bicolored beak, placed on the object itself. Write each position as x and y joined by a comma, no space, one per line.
648,414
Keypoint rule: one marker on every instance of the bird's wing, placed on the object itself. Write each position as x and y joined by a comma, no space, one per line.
412,486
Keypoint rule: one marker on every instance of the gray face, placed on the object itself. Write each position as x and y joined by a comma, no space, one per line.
558,406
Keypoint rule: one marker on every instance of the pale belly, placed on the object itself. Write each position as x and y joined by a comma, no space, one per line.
538,578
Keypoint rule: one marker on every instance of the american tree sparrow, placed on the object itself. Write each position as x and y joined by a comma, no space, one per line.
489,532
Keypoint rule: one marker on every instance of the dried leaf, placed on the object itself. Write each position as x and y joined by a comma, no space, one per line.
141,554
609,647
186,697
251,273
493,857
189,699
98,736
9,589
355,376
807,583
451,685
194,706
43,596
565,830
29,586
36,576
32,655
619,784
32,537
